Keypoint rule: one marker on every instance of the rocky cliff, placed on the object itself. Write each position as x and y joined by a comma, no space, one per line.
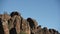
14,23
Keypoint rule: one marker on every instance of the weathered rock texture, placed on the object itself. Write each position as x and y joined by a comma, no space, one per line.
16,24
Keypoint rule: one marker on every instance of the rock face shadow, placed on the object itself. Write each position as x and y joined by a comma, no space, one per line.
31,23
13,31
1,27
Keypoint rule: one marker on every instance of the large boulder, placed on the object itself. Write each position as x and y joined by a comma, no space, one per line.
15,22
5,26
39,30
33,25
45,30
4,21
53,31
25,26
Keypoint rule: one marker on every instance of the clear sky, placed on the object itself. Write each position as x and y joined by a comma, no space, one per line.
46,12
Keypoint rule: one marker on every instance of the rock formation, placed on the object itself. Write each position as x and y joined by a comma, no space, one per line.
16,24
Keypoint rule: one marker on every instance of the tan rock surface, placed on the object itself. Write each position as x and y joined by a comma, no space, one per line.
16,24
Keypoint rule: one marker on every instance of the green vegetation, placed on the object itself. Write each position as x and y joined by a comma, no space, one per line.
22,32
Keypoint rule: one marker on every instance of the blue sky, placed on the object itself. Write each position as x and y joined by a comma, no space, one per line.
45,12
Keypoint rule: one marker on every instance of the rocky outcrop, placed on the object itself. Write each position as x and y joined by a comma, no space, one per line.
16,24
33,25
